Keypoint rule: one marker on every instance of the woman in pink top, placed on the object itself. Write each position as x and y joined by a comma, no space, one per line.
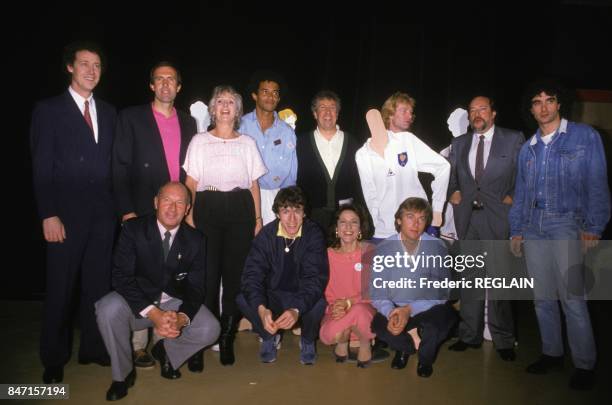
222,169
347,316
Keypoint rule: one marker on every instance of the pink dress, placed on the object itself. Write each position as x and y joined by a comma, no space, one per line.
345,281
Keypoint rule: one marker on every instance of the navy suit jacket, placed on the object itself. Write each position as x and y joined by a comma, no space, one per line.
140,273
72,173
139,162
497,181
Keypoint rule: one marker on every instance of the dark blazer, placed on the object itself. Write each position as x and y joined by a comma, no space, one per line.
140,274
139,161
71,172
265,264
496,183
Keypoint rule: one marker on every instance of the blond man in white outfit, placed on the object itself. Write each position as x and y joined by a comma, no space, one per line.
390,179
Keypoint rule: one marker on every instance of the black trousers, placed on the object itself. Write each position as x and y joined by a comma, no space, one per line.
228,221
279,302
83,258
433,325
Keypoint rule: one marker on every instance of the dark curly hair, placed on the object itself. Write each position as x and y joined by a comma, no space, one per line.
550,86
289,197
265,75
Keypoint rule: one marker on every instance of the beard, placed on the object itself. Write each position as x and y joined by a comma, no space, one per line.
479,124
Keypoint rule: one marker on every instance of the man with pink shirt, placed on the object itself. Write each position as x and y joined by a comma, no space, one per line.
149,150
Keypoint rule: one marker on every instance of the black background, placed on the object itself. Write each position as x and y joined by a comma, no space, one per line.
441,57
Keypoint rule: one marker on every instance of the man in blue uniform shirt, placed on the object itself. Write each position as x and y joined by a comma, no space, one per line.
275,139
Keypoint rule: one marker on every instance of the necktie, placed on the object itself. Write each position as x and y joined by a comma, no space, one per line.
166,244
87,116
479,169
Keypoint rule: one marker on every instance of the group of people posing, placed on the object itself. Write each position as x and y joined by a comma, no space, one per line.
231,222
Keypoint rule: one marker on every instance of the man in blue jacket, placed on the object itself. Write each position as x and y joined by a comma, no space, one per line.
285,276
561,207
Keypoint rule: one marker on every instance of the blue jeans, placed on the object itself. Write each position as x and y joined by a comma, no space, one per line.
554,260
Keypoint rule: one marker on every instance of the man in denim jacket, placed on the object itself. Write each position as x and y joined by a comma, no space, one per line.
561,207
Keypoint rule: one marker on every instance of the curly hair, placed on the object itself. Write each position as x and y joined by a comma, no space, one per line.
289,197
218,91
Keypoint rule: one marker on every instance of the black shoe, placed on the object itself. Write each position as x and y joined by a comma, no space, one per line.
101,361
229,324
507,354
195,364
424,370
341,359
226,350
545,363
119,389
400,360
53,375
159,353
364,364
461,346
582,379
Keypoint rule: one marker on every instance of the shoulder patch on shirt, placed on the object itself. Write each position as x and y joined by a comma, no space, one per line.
402,158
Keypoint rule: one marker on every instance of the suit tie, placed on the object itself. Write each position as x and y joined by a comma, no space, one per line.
87,116
166,244
479,169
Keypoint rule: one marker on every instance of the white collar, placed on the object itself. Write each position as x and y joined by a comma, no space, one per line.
162,230
488,134
562,130
80,100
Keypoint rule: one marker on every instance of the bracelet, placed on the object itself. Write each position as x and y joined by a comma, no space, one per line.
257,219
348,304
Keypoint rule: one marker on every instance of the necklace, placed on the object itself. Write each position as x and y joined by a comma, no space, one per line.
289,245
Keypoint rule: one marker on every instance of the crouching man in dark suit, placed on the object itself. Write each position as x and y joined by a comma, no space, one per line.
158,276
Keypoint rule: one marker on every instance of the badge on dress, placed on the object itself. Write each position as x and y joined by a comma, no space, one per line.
402,158
357,266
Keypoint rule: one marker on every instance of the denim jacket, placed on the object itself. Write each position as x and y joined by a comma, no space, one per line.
576,183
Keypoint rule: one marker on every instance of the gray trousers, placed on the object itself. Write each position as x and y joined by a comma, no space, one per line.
116,322
480,238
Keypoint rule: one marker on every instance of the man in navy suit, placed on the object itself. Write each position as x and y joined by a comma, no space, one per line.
71,141
149,150
159,269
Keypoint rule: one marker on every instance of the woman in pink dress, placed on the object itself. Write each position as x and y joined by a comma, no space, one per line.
348,316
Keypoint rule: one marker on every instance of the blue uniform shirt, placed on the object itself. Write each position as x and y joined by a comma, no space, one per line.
277,149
